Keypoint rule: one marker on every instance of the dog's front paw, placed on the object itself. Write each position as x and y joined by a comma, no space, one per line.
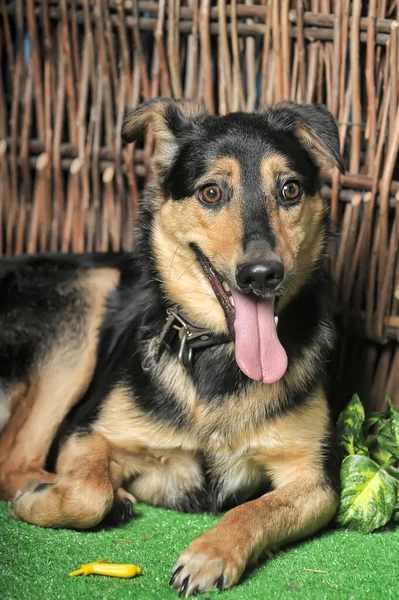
209,562
20,504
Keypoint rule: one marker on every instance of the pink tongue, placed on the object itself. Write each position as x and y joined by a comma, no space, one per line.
259,353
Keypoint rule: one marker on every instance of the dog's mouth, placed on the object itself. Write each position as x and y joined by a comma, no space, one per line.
252,324
221,289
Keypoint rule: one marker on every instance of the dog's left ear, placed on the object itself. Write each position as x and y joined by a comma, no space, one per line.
168,118
317,131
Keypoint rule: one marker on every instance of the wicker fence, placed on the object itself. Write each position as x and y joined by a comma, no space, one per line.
71,68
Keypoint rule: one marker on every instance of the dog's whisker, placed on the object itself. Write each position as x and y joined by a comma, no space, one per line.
185,271
173,258
183,261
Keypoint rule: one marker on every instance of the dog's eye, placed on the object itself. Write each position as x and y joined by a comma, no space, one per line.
210,194
291,191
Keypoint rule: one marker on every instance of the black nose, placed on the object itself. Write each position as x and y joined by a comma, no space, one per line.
260,276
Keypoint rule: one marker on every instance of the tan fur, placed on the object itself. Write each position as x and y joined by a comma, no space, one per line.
253,455
299,242
282,516
177,224
55,385
16,467
239,451
164,477
321,154
271,167
127,428
162,463
152,114
82,493
20,399
290,451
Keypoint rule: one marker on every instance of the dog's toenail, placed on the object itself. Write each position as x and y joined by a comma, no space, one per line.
175,574
42,486
129,508
123,513
219,583
184,586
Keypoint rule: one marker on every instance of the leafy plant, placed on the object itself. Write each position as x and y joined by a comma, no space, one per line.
369,469
350,428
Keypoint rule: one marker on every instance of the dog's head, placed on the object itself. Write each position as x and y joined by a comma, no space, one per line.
238,223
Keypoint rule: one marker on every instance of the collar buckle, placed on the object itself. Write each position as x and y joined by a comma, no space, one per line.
189,337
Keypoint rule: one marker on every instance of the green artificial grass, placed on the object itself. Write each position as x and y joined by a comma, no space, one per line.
35,563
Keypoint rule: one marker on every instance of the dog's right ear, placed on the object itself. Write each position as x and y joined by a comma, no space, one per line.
168,118
317,131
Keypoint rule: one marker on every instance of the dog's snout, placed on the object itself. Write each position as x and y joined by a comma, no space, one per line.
261,276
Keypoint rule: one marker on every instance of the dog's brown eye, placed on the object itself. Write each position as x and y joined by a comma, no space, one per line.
291,191
210,194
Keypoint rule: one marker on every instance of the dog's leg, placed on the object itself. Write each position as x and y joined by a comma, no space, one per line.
15,468
219,557
55,385
302,502
36,415
83,493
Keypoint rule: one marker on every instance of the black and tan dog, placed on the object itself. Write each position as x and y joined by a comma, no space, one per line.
190,373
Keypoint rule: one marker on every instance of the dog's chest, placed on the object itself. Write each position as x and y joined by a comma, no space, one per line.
216,459
218,453
211,468
209,465
196,481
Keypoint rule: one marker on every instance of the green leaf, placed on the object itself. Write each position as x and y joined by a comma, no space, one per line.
368,496
373,418
394,471
388,431
392,408
380,455
349,426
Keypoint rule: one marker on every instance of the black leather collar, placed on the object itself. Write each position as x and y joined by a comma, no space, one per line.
182,337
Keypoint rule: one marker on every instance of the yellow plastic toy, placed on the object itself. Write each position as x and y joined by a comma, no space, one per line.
102,567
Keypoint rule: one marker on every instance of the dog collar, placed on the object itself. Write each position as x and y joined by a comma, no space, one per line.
180,336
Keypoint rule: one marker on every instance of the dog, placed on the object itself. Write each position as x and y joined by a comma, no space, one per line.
190,373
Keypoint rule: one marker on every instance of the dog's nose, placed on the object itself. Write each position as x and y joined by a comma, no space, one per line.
260,276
